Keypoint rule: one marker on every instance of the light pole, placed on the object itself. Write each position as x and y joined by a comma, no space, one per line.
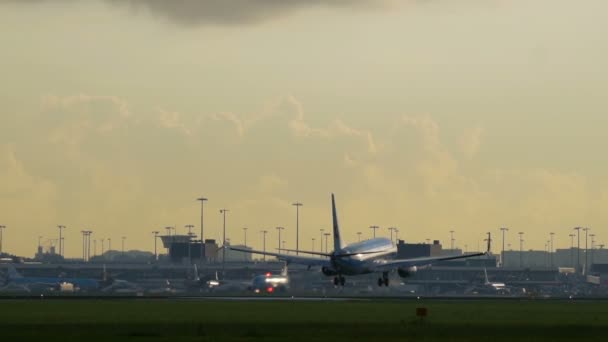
373,228
571,249
40,238
102,245
279,230
551,234
321,241
2,227
397,235
264,243
452,240
202,199
109,244
586,229
156,232
502,256
223,212
89,233
245,239
391,230
578,247
313,244
326,238
521,249
592,247
84,256
61,228
123,244
358,236
189,227
297,205
94,247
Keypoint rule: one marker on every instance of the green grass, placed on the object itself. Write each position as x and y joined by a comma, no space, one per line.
171,320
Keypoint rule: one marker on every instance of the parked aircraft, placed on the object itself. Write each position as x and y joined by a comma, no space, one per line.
376,255
16,281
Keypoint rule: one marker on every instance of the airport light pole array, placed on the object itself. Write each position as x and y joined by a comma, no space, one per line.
202,199
502,256
297,205
2,227
279,230
373,228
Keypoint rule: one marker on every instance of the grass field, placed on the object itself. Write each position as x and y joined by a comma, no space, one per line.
173,320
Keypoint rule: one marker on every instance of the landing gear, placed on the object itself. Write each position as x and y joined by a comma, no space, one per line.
383,280
339,280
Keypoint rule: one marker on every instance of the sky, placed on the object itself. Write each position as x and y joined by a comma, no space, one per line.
428,116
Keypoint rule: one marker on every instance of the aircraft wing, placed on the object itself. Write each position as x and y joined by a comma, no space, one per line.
289,258
388,265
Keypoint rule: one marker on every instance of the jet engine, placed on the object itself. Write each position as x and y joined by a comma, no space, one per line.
328,271
407,272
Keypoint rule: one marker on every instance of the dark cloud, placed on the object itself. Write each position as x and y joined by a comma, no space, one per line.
224,12
231,12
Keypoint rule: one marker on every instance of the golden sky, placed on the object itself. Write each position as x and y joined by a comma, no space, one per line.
425,115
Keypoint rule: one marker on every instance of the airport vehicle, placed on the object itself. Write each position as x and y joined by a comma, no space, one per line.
371,256
16,281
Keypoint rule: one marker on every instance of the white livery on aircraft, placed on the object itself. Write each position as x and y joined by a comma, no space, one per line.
376,255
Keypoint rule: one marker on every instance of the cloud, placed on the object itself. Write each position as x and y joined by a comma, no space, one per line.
470,142
225,12
233,12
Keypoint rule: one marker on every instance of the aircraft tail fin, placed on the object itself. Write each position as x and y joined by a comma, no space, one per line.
336,227
12,272
489,250
196,277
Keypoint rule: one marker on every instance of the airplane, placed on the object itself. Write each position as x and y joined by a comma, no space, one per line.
16,281
271,283
377,255
216,283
